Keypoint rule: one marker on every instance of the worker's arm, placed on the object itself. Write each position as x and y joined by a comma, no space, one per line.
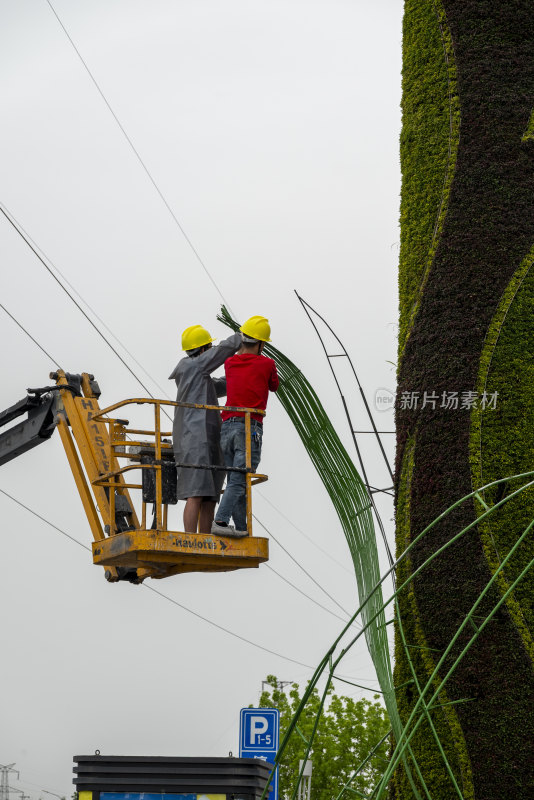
215,357
274,381
220,386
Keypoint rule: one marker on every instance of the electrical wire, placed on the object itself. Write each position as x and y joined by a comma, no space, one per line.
84,301
226,630
10,219
286,580
7,214
53,360
38,785
233,724
138,156
164,596
286,551
46,521
310,540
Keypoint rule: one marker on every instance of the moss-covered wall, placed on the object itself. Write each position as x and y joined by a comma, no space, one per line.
417,663
429,143
466,324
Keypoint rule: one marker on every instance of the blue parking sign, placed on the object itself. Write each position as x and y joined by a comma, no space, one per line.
259,729
258,738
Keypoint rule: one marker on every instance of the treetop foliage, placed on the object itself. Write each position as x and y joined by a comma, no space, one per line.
347,732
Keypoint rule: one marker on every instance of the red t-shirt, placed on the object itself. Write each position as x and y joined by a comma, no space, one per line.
248,380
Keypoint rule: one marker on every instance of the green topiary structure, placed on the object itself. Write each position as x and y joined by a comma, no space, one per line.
465,408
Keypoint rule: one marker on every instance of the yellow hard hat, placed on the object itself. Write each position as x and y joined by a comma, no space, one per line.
257,328
195,336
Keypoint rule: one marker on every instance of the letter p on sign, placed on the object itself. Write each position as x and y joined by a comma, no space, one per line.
258,725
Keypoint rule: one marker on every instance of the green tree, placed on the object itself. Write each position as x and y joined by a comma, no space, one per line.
347,732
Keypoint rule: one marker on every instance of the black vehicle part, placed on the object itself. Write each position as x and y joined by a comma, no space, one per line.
169,479
37,428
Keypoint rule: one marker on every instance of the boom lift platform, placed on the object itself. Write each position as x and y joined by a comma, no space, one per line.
95,442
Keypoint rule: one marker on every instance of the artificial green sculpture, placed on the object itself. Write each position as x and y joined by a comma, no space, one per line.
465,410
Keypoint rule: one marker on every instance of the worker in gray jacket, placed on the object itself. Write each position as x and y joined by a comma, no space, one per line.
196,432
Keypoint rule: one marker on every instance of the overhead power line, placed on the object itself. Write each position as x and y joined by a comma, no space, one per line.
286,551
53,360
226,630
302,533
23,236
164,596
38,785
296,588
64,278
138,156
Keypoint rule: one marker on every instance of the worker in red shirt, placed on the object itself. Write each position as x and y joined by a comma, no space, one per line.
249,378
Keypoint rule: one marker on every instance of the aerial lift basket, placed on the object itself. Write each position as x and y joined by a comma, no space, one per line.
96,441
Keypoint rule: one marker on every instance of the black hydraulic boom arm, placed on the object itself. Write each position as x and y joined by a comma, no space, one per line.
39,405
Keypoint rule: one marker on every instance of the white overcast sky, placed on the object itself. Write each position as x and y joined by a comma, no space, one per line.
272,130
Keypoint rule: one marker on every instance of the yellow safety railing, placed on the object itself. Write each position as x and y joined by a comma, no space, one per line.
118,433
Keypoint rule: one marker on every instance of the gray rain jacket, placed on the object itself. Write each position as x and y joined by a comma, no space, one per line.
196,433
